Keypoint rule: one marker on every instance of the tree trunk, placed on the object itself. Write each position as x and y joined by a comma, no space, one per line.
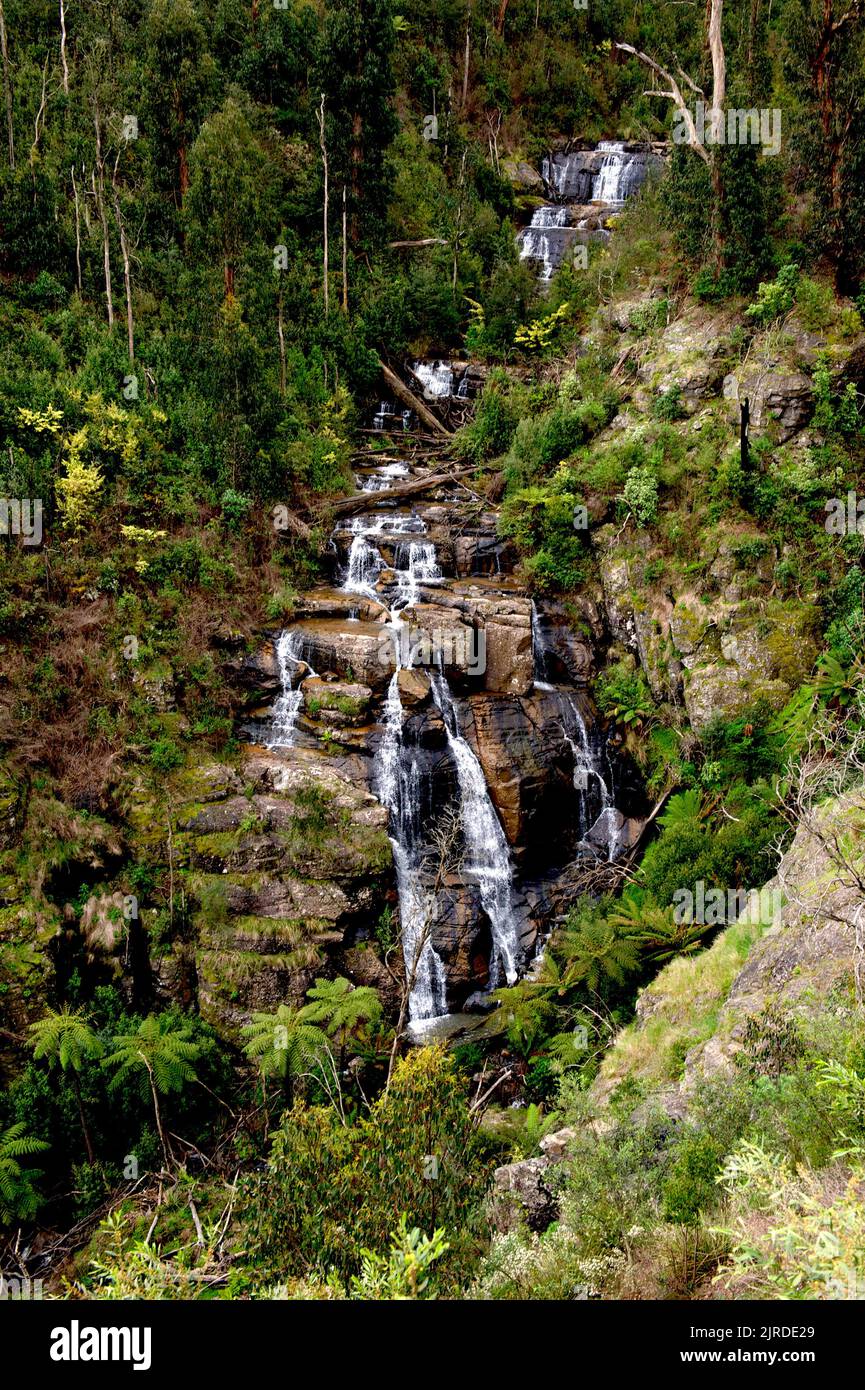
466,57
77,230
7,87
99,196
63,61
88,1142
127,273
281,333
158,1113
323,144
411,400
344,253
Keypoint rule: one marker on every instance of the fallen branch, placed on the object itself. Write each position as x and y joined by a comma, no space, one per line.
410,245
346,506
423,412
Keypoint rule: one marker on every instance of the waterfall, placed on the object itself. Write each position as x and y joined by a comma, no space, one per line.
289,652
414,564
397,773
546,238
590,784
365,562
383,477
437,378
588,776
398,779
387,410
539,652
488,858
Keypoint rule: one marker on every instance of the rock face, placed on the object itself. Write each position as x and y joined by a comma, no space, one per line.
719,655
291,868
526,1193
793,949
780,402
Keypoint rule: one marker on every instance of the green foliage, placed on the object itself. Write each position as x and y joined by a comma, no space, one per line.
640,494
283,1043
18,1197
331,1190
775,298
690,1186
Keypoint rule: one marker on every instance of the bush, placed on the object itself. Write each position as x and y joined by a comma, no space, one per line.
641,495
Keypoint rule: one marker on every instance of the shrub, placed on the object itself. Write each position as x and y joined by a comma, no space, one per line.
641,495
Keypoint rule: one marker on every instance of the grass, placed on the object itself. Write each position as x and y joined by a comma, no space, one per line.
682,1003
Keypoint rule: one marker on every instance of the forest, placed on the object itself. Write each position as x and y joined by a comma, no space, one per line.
432,646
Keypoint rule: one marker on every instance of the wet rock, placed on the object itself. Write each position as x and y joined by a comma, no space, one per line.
414,688
335,703
256,673
362,652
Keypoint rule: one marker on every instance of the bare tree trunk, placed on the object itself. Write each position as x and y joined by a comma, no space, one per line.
39,123
99,195
411,400
127,274
77,230
63,61
466,67
158,1113
281,333
85,1129
7,87
323,144
127,278
344,252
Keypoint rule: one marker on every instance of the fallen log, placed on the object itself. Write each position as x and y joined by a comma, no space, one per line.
345,506
410,245
413,402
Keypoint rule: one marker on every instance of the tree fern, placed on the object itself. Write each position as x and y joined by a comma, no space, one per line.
595,951
340,1008
161,1056
18,1197
283,1043
683,809
64,1038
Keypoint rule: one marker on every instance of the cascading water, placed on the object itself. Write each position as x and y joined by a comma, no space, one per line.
588,777
397,771
383,477
437,378
620,174
546,238
597,813
487,857
539,652
289,653
398,780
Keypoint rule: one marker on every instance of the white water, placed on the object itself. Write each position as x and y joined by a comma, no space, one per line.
437,379
487,857
397,772
289,649
588,777
608,185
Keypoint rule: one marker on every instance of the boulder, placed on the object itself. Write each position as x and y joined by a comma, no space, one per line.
777,398
356,651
